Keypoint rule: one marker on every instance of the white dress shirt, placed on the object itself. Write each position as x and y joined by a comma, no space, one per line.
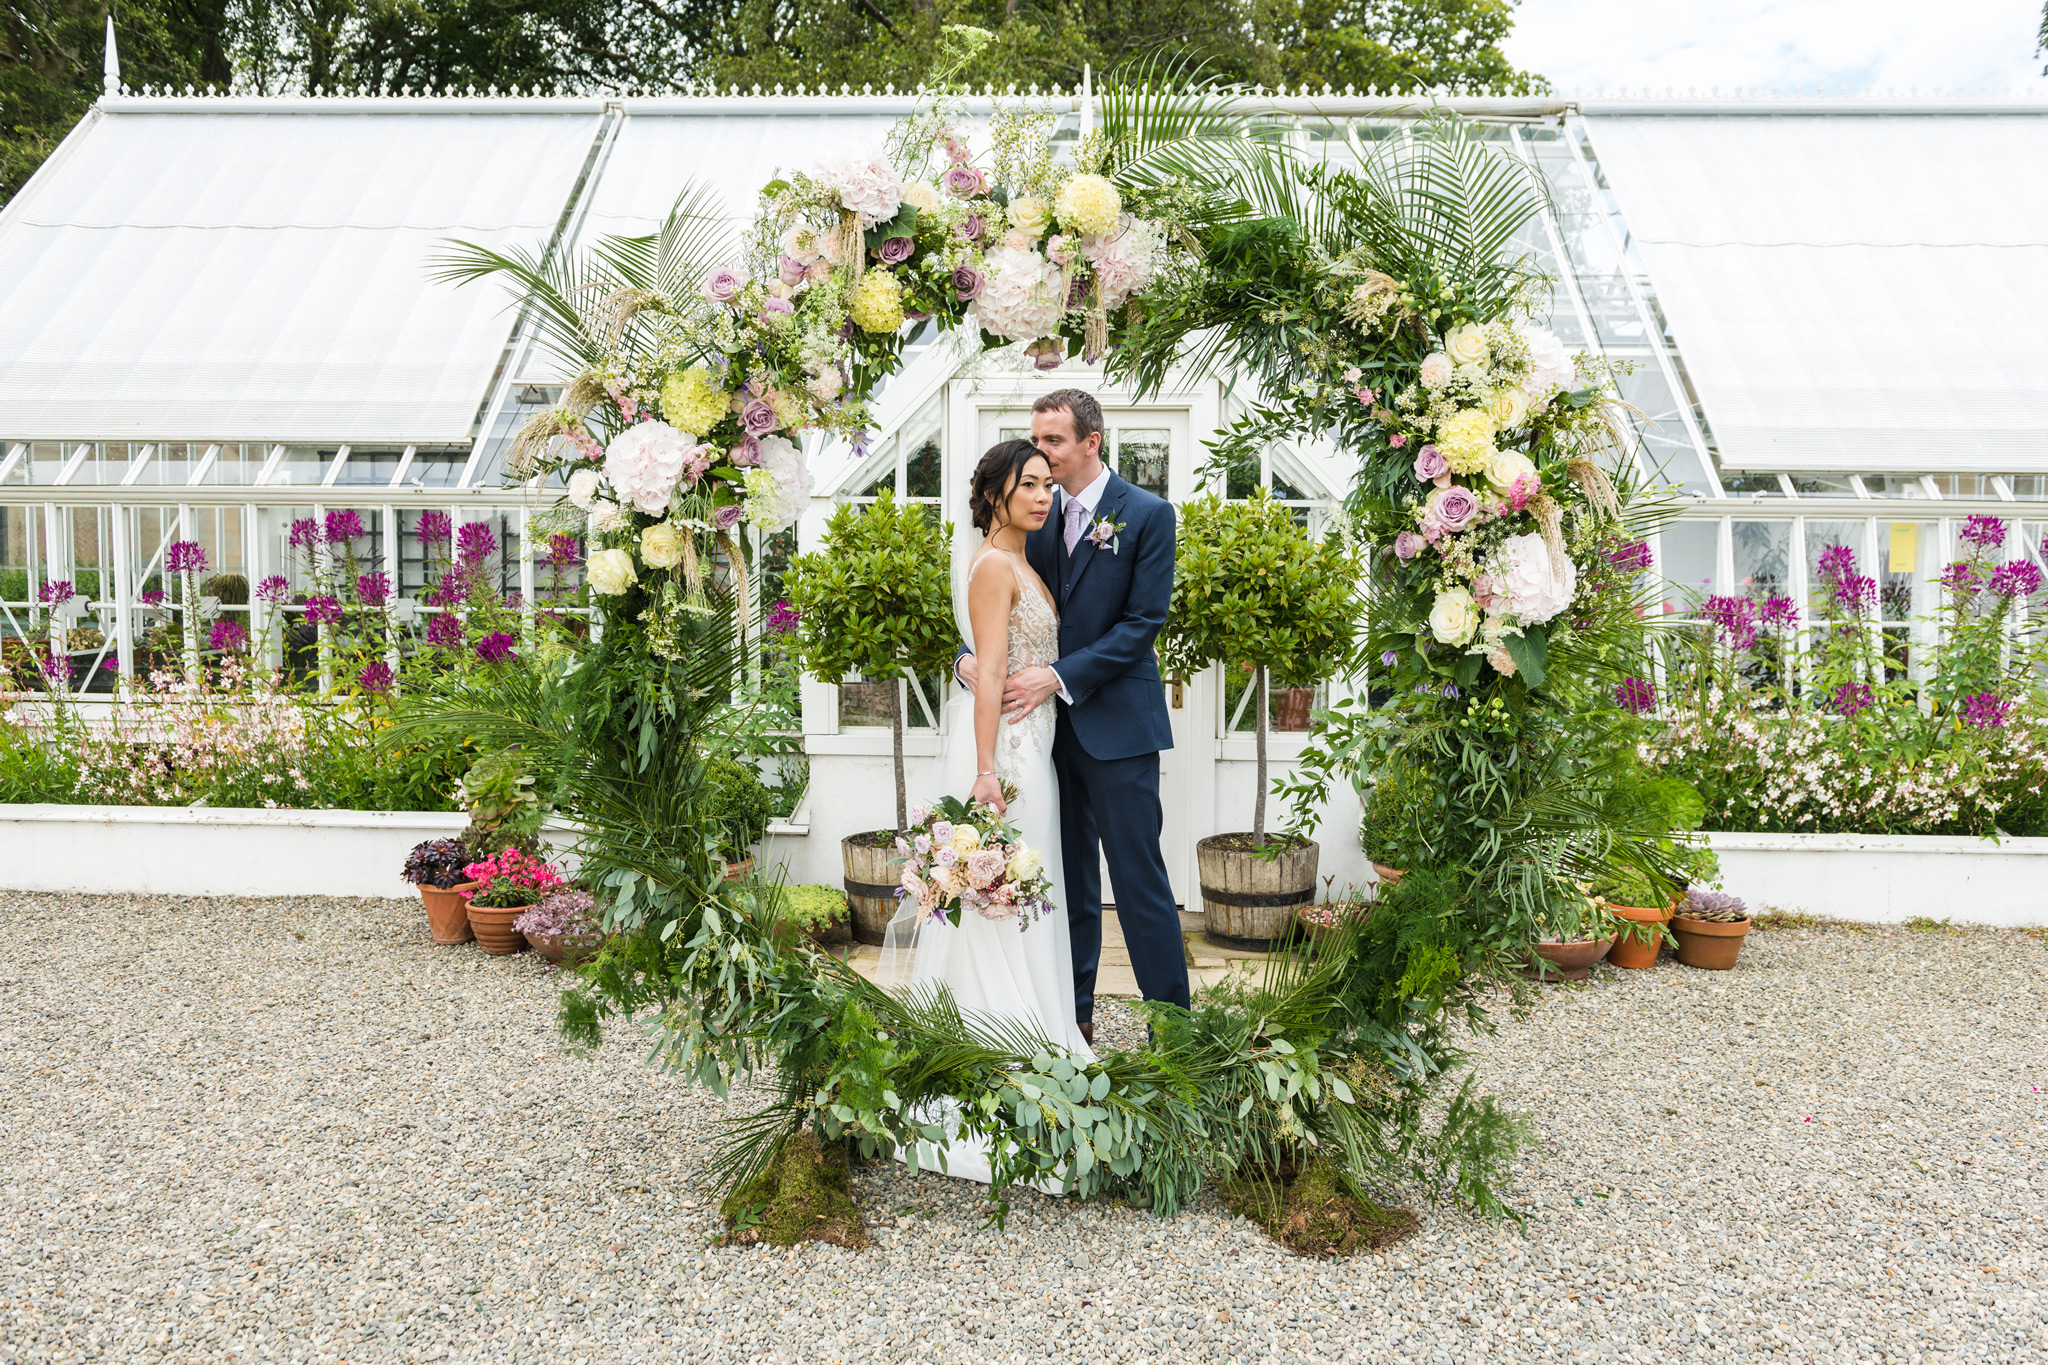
1090,498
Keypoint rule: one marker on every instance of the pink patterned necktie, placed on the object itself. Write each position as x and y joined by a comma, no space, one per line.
1075,511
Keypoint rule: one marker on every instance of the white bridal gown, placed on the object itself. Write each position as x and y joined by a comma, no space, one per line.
994,969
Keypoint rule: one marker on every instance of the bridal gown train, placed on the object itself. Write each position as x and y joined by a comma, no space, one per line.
994,969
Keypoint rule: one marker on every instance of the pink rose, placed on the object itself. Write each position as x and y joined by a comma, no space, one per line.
771,306
727,517
1408,545
791,271
967,282
963,181
1454,507
895,250
758,418
723,285
1430,464
746,454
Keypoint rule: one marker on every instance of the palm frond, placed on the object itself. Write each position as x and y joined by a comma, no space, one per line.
1165,120
559,296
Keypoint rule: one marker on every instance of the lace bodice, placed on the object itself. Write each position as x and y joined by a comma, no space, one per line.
1034,641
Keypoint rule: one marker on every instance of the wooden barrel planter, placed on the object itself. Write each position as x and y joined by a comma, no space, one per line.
871,882
1249,896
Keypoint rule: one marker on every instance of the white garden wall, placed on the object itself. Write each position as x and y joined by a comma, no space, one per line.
1887,879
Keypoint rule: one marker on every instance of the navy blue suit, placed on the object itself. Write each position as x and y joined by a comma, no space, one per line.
1106,748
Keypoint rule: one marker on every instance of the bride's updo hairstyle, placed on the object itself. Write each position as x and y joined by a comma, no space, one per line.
1002,465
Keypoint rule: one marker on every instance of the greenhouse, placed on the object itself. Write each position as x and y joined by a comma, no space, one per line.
222,320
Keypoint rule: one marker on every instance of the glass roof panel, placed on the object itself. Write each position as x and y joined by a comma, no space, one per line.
1894,486
238,464
371,465
302,467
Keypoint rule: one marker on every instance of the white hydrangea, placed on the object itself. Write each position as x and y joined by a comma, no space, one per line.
1522,573
866,184
1124,260
645,462
1024,296
1550,364
776,507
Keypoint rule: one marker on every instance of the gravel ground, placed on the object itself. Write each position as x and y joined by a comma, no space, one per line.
293,1130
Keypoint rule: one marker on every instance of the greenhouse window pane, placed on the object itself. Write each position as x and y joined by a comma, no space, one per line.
301,467
921,470
1965,486
2029,487
1675,462
1907,554
1821,536
1823,485
371,467
1613,311
1894,486
1686,552
1763,555
437,468
1141,455
237,464
1735,483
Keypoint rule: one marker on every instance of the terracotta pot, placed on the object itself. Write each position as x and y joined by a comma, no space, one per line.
1315,929
1291,707
1248,897
1707,943
1390,875
447,913
870,882
566,949
740,870
493,924
1633,952
1567,961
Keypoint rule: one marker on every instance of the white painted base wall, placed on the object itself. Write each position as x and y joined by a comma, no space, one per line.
1887,879
176,851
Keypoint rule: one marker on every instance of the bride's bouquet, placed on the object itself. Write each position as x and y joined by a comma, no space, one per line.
967,857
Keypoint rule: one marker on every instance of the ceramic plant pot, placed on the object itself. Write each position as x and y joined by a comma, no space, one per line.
493,925
566,949
1707,943
447,913
1567,961
1389,875
1629,951
739,871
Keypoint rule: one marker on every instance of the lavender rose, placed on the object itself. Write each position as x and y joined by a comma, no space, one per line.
723,285
772,306
759,420
1453,507
963,182
746,454
974,227
728,516
1430,464
967,282
895,250
1408,545
791,271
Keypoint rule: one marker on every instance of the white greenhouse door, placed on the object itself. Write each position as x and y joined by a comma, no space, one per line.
1148,447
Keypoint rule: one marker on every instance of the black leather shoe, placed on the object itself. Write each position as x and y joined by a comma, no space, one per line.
1087,1027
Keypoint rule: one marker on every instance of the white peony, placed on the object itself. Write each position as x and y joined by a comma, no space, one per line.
922,195
645,462
661,545
610,572
1023,295
583,487
866,184
1453,617
1521,573
1123,259
785,462
1507,467
607,516
1436,370
1550,364
1509,406
1467,345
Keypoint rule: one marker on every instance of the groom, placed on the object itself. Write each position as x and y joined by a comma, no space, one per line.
1107,553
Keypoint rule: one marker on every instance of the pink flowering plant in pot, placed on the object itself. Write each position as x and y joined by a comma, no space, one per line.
511,879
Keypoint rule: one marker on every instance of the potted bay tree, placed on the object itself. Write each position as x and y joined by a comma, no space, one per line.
1251,586
876,598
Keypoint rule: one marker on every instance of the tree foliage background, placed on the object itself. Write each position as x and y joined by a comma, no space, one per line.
51,51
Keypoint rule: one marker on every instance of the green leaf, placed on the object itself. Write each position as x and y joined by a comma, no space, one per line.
1101,1086
1530,650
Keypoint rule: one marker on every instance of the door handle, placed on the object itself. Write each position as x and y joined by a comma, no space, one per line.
1175,685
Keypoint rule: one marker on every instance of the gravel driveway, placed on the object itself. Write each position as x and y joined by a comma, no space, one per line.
293,1130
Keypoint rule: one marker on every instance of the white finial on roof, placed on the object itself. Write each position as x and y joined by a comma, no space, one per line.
1087,98
111,67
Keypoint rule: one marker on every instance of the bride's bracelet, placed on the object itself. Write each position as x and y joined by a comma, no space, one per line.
991,772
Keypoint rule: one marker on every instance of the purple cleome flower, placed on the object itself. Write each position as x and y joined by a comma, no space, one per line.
1853,697
305,534
1963,578
433,528
373,589
563,550
56,592
1632,554
376,677
1635,695
495,648
1780,612
1733,617
453,592
343,525
153,598
1986,711
1836,561
323,611
783,620
227,635
1984,532
184,556
274,588
2017,579
445,630
475,542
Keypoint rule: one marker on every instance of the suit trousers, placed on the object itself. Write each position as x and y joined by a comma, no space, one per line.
1109,809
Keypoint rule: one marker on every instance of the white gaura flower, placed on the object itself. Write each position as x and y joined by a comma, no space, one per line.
610,572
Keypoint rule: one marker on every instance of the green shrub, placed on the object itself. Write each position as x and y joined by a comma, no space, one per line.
1390,831
811,907
743,804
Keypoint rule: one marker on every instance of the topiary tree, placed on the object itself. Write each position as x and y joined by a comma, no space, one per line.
876,598
1252,586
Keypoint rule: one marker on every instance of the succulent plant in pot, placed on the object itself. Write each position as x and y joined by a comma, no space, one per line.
1710,927
500,888
817,911
436,866
565,926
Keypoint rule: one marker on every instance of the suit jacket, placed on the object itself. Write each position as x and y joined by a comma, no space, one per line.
1112,604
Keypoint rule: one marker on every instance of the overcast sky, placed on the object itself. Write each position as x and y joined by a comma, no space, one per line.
1585,46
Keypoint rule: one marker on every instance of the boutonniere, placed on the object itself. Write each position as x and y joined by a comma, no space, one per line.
1106,534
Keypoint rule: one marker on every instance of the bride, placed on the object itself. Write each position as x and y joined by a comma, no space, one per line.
993,970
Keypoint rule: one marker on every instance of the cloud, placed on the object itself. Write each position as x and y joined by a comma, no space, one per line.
1585,46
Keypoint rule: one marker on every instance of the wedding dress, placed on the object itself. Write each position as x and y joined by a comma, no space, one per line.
994,969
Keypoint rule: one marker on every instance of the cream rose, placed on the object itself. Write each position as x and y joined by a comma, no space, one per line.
922,196
1466,345
1454,617
610,572
966,839
1436,370
1507,467
1509,406
1030,216
661,546
1025,864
